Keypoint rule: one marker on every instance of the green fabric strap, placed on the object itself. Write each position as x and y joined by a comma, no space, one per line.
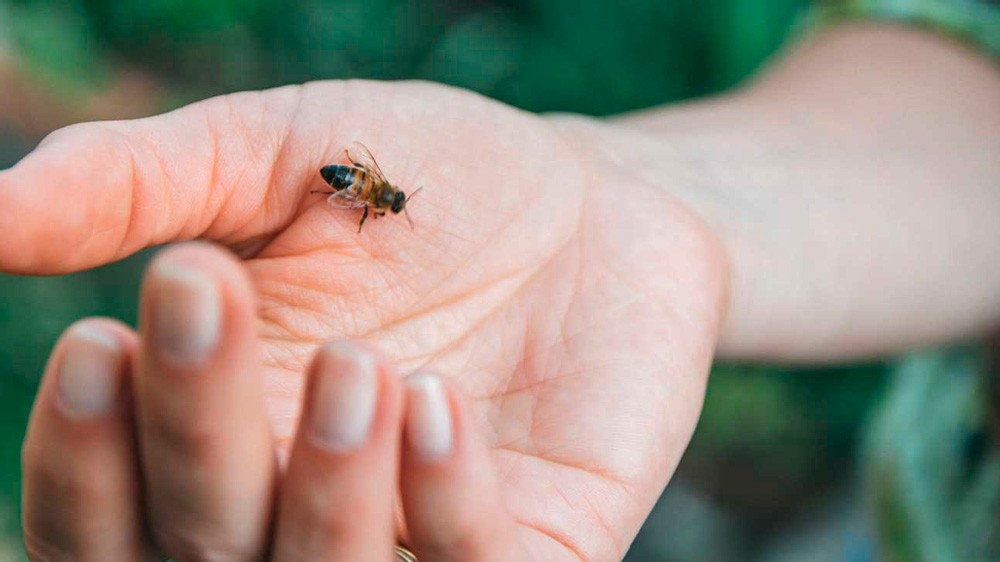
975,21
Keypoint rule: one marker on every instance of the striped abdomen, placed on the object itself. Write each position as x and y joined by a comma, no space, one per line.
356,180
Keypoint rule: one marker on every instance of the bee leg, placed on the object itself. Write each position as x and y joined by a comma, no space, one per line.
363,217
347,153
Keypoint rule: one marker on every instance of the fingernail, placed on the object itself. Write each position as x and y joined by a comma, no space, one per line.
344,398
87,379
428,418
186,312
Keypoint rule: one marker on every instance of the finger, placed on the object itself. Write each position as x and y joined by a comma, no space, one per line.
208,460
96,192
81,482
237,169
338,497
451,495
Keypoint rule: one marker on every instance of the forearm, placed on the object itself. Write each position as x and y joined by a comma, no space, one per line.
856,187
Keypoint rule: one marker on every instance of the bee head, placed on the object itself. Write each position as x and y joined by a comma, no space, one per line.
398,202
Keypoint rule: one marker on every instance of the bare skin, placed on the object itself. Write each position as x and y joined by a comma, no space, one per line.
519,279
570,276
855,186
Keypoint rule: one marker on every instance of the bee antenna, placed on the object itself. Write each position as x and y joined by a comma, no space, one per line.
408,219
407,213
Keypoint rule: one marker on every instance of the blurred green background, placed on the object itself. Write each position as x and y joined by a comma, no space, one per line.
772,473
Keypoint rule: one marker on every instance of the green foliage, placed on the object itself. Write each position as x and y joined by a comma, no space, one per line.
542,55
936,490
794,427
57,42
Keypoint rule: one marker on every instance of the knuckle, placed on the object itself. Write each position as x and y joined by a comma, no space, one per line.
192,440
463,539
334,517
66,133
43,550
456,548
47,481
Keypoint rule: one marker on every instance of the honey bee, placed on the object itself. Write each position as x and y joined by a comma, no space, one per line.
363,185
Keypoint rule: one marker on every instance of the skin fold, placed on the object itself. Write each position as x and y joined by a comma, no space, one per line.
568,334
573,277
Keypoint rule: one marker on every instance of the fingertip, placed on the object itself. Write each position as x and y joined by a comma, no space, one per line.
67,203
430,423
439,426
90,371
84,388
216,260
112,329
451,495
88,367
198,306
353,403
337,501
80,480
342,399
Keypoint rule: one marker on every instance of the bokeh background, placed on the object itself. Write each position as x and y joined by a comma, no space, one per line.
787,464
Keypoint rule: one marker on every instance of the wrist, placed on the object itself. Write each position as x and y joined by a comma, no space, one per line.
856,203
725,161
648,166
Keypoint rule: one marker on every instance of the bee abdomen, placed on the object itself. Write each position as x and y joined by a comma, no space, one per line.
339,177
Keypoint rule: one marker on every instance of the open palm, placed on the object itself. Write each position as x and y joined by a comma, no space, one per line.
576,305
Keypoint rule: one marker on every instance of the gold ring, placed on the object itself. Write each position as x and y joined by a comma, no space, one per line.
405,555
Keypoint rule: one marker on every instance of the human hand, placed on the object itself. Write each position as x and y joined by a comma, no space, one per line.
169,428
578,304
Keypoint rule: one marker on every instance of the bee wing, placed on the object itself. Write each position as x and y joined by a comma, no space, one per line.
359,154
344,200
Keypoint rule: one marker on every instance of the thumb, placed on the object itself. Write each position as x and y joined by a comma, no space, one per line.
97,192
